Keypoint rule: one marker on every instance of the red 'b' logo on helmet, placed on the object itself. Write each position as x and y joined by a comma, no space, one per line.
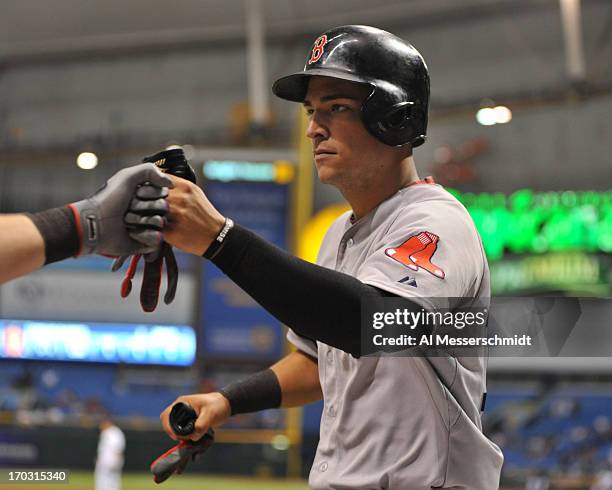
317,49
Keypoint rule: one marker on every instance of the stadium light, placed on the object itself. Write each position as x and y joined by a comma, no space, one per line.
87,160
486,116
503,114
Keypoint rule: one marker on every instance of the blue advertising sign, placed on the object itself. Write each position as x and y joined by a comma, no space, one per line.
169,345
234,324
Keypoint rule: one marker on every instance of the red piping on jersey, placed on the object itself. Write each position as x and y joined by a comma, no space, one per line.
427,180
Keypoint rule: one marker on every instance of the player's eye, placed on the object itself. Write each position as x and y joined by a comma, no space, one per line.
309,111
339,108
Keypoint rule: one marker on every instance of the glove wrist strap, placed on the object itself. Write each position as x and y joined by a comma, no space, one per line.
59,231
217,244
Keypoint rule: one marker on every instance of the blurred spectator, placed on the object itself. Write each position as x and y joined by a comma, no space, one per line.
24,381
579,434
538,446
564,408
603,427
69,402
25,390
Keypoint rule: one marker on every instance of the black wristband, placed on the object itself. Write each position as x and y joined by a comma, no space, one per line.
260,391
217,244
59,231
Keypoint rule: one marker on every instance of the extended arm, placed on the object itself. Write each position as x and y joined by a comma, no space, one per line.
93,225
22,249
314,301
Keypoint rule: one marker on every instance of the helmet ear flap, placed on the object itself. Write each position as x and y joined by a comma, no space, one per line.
398,117
396,126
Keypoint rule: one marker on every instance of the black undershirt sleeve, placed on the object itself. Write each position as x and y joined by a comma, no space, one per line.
315,302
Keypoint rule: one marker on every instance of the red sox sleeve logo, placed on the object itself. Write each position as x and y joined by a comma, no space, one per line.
416,252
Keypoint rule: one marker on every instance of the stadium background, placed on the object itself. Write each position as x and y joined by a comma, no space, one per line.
124,80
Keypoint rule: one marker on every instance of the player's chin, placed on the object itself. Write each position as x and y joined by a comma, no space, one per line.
326,175
327,170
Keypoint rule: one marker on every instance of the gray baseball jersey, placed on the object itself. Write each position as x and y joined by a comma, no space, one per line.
405,423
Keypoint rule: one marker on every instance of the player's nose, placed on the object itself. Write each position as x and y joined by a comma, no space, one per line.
316,129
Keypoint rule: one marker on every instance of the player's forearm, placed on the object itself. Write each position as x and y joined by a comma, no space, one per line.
298,376
30,241
314,301
22,249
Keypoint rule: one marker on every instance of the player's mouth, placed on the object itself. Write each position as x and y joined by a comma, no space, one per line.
321,153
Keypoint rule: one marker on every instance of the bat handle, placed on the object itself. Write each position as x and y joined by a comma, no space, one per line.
182,419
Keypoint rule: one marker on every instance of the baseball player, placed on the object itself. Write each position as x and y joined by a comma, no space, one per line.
109,460
405,423
93,225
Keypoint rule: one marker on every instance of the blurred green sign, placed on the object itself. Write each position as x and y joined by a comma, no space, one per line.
579,273
528,222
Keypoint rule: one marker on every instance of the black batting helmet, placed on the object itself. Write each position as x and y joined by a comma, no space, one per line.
395,112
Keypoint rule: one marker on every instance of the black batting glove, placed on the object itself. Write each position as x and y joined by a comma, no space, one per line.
139,221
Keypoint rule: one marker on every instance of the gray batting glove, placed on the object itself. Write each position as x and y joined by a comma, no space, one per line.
100,218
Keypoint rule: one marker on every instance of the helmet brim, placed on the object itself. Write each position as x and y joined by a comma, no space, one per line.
294,87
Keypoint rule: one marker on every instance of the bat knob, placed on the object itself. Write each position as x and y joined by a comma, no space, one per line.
182,419
173,162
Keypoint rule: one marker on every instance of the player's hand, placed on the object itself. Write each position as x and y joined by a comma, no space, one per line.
141,212
171,162
212,409
100,217
193,222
